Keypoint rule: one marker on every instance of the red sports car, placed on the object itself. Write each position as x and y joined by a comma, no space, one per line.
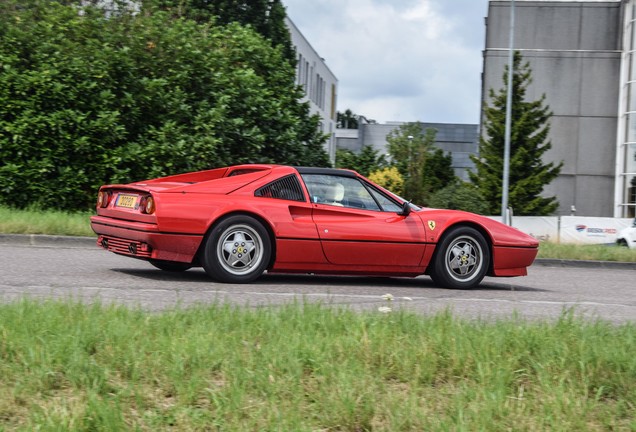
240,221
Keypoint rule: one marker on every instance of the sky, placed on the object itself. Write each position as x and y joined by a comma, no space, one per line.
400,60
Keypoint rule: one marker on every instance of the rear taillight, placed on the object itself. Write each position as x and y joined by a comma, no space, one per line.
148,205
103,198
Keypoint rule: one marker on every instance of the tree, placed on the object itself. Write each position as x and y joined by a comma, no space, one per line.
389,178
528,143
346,120
423,167
364,162
438,171
87,100
459,195
267,17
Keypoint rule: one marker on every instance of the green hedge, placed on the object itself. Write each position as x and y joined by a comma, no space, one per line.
87,99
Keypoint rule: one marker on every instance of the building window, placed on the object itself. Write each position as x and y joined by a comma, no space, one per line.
630,196
630,162
299,71
627,148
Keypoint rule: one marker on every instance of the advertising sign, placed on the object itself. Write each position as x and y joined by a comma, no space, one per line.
570,229
591,230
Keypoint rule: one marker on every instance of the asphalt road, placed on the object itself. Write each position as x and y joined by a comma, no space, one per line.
81,271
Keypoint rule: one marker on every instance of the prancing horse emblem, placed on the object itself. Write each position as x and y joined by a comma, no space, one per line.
431,225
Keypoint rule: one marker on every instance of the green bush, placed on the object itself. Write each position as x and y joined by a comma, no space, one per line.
389,178
87,100
459,196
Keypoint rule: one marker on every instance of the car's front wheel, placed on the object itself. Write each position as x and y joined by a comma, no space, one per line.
461,258
237,250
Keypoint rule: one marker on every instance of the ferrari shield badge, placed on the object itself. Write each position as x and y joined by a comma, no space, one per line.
431,224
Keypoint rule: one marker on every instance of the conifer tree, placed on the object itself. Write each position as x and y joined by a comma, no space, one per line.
528,143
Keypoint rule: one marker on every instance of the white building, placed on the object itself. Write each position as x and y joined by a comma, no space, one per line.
319,83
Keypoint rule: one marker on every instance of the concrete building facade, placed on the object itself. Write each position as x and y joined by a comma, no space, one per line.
582,58
319,84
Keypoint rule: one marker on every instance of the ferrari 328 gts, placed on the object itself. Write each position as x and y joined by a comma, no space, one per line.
238,222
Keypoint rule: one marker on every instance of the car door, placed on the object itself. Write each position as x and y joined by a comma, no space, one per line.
359,224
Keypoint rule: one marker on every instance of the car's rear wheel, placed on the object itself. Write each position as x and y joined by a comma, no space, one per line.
622,242
171,266
237,250
461,258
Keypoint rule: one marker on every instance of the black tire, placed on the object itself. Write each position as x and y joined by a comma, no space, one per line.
621,242
461,259
171,266
237,250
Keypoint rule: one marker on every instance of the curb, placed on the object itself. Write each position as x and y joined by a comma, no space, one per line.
615,265
48,240
44,240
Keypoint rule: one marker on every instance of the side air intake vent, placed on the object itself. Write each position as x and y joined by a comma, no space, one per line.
286,188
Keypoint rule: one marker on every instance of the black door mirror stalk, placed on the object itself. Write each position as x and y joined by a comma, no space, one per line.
406,209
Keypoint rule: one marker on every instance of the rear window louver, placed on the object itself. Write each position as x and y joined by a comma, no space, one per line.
287,188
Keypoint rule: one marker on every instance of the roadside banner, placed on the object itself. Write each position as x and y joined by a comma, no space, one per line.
570,229
590,229
543,228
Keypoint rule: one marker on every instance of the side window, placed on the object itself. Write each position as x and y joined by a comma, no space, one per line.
325,189
386,204
286,188
340,191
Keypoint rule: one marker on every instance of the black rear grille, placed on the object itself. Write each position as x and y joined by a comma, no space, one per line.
125,247
287,188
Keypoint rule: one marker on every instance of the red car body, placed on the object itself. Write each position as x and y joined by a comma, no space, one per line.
240,221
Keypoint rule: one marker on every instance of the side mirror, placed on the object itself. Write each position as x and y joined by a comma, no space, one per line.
406,209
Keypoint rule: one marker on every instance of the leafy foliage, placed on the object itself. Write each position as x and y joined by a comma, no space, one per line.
346,120
459,195
364,162
389,178
424,167
438,171
528,143
86,100
267,17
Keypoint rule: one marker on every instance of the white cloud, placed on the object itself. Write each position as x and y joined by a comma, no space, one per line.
403,60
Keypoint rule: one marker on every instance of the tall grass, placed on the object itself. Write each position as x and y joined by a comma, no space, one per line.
35,221
301,367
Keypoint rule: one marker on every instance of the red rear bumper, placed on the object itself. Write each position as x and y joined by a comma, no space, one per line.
142,240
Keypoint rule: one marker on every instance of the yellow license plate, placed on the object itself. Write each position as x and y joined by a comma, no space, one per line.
127,201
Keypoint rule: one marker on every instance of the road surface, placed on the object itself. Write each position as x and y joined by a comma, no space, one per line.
84,272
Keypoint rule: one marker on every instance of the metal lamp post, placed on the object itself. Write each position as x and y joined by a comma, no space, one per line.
506,161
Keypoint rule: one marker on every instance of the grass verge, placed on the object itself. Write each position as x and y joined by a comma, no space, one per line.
586,252
33,221
302,367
